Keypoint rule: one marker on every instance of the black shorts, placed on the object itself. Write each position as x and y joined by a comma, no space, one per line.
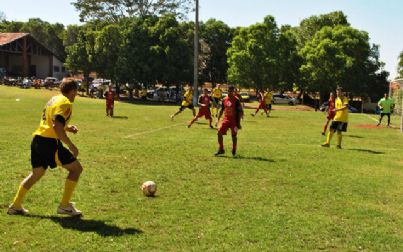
339,126
49,152
216,101
190,106
268,106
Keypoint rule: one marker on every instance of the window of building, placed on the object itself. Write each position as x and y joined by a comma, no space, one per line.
56,69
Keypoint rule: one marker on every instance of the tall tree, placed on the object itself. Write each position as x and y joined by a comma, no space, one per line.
114,10
216,36
400,65
253,55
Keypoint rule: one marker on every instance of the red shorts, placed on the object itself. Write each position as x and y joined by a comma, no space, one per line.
225,125
331,115
109,105
204,112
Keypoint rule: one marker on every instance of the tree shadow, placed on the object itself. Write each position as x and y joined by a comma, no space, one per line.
83,225
248,158
368,151
119,117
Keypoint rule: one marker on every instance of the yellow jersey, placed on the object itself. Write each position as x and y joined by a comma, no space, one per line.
58,105
267,97
341,115
188,96
217,93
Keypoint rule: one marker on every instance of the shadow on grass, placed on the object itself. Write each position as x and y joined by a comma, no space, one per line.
83,225
120,117
368,151
354,136
249,158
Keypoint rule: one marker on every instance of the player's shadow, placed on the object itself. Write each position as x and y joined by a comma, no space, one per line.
354,136
249,158
119,117
368,151
83,225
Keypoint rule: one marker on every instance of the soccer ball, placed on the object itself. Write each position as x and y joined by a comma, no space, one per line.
149,188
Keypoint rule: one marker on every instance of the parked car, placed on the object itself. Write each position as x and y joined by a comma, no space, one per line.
51,82
245,96
284,99
26,83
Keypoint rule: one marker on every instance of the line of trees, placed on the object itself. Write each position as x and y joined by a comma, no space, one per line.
145,42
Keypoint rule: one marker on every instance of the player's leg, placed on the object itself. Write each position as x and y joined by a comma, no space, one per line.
111,110
380,119
178,112
388,119
66,207
234,144
325,127
26,184
339,138
332,130
192,121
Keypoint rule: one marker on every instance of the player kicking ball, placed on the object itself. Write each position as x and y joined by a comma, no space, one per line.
186,103
233,112
204,110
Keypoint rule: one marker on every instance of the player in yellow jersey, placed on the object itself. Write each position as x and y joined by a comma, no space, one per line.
47,150
340,120
217,98
268,99
187,102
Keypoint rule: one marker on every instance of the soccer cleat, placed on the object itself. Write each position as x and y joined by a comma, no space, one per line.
188,125
70,209
323,134
15,211
219,152
325,145
233,152
378,124
252,114
211,126
338,146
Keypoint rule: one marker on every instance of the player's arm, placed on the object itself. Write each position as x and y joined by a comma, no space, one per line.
58,126
200,102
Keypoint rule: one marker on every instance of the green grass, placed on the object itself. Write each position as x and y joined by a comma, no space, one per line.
282,193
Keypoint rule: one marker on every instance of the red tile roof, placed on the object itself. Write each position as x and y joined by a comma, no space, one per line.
6,38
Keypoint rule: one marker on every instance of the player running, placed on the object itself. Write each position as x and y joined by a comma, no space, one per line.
233,112
186,103
262,104
267,100
204,110
340,120
47,150
217,97
330,112
386,105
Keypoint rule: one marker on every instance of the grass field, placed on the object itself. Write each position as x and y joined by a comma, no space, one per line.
283,192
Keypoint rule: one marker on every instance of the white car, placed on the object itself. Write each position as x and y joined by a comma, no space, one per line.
284,99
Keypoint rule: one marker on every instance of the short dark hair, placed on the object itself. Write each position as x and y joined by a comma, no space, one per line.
67,85
231,88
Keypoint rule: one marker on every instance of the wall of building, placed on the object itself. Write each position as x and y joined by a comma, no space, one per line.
42,65
58,69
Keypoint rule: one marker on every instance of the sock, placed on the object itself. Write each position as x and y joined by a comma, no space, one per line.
221,143
234,146
339,137
329,136
68,192
19,197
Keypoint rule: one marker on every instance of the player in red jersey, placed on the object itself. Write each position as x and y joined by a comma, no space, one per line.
331,113
233,112
110,101
204,110
262,103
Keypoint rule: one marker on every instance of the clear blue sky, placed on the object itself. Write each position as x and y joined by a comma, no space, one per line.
382,19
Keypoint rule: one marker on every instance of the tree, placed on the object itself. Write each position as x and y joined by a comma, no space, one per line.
339,56
400,65
216,36
253,55
114,10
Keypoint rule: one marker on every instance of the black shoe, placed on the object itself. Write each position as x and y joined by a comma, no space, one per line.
211,126
338,146
219,152
233,152
252,114
323,134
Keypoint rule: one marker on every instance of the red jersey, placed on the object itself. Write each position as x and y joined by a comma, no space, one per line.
206,100
110,96
231,106
331,104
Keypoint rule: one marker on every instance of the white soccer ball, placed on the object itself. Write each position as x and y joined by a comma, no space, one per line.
149,188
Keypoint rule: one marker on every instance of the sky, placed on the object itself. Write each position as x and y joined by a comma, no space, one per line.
380,18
